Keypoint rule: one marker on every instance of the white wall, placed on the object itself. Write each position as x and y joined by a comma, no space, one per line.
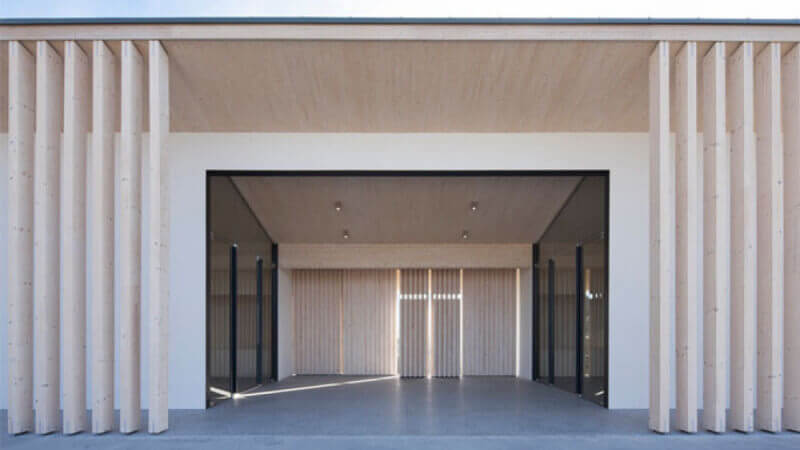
625,155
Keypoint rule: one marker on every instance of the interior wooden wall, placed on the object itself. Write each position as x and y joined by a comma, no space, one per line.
489,321
446,317
414,322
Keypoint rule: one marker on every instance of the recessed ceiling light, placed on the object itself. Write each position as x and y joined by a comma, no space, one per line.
346,234
337,206
473,206
465,235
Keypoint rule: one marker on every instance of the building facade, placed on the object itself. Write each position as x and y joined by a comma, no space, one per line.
112,131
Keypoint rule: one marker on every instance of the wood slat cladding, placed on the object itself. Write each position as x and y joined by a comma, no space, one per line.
446,322
489,321
318,306
345,322
414,297
369,315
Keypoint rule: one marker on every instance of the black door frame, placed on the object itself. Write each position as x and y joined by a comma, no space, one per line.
405,173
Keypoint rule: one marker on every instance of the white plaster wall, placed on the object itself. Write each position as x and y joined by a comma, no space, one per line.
625,155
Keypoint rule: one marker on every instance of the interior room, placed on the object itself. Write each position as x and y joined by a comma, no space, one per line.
467,282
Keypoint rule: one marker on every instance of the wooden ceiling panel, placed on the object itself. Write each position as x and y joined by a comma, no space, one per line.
408,86
406,209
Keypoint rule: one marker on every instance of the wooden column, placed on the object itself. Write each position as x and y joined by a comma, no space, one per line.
101,234
73,236
791,317
21,110
743,235
662,238
49,109
769,161
129,172
157,190
689,246
716,241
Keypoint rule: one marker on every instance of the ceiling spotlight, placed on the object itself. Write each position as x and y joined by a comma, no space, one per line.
473,206
337,206
346,234
465,235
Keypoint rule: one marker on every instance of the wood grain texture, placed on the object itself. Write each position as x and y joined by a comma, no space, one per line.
415,86
317,321
489,321
100,233
403,210
446,322
743,236
21,115
155,176
662,239
77,106
791,167
716,242
369,322
414,316
49,116
129,240
689,237
769,161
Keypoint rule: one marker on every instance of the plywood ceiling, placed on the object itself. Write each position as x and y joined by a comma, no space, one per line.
409,86
401,86
392,209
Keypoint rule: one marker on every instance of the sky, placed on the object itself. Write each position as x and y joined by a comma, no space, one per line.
640,9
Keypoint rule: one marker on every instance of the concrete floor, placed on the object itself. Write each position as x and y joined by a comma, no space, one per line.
352,412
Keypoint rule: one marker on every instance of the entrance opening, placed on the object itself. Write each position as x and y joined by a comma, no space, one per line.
402,275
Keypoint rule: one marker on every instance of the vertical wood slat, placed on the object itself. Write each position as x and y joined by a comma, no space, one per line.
414,322
791,149
317,297
489,321
156,175
743,235
129,225
368,330
662,238
49,110
717,241
689,235
100,233
445,290
769,161
73,236
21,106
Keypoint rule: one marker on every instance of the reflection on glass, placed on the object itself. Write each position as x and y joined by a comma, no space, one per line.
580,227
231,222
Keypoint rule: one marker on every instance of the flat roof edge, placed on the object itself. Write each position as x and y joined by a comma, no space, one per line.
389,21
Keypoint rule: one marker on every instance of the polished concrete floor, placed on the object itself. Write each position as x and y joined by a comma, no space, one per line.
386,412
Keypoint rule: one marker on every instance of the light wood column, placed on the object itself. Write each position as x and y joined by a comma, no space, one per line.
689,246
101,234
662,238
791,317
21,112
49,110
716,241
156,172
769,161
743,235
73,237
129,225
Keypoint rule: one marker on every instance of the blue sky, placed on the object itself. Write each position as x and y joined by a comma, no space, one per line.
762,9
